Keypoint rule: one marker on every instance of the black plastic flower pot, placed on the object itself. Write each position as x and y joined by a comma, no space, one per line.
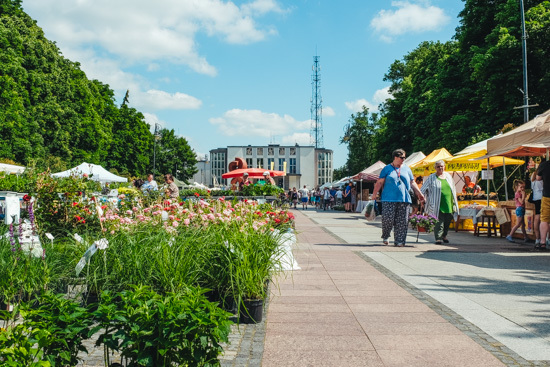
251,311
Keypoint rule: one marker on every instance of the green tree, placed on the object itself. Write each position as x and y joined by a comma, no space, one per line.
175,156
359,136
131,144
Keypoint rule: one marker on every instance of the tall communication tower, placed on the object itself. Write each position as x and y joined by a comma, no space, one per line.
316,106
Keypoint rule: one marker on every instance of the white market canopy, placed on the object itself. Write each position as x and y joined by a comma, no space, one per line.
94,171
11,168
530,139
370,173
413,158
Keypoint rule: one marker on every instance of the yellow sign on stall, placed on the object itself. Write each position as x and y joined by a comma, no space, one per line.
463,166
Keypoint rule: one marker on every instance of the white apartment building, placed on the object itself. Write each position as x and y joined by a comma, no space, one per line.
305,165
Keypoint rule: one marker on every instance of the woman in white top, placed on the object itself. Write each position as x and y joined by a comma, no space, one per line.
536,196
440,193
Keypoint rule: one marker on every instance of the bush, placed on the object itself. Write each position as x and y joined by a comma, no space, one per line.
149,329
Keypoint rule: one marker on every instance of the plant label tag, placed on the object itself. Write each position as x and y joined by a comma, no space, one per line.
50,236
80,266
77,238
90,251
85,258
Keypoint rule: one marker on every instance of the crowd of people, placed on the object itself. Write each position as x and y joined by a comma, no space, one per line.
171,190
323,198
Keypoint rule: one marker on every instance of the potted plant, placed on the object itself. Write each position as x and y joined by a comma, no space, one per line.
422,223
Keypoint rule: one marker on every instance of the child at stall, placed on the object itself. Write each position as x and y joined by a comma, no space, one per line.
519,198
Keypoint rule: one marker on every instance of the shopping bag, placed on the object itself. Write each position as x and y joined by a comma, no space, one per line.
370,212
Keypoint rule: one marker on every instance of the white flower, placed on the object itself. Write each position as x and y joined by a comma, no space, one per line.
101,244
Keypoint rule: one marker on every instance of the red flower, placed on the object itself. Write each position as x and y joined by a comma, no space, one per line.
181,204
75,203
26,198
197,194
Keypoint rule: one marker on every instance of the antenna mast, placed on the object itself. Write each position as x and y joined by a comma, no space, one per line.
316,106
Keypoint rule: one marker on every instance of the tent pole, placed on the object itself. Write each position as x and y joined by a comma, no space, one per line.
488,169
505,178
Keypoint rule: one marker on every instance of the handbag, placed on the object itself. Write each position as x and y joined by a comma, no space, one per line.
530,198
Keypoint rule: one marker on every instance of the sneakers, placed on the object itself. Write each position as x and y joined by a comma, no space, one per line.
510,239
385,241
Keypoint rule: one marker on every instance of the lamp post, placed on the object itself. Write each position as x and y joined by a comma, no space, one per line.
524,52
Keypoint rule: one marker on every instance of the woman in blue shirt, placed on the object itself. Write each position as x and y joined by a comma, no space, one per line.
395,180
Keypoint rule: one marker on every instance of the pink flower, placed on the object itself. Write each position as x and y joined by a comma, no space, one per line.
175,224
129,212
171,217
186,221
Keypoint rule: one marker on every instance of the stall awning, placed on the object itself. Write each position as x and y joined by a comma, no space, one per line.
529,139
370,173
422,167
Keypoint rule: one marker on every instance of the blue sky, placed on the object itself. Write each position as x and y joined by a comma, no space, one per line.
239,72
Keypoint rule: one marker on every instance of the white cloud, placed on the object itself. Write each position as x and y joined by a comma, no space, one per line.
328,111
357,105
237,122
142,31
152,119
408,17
261,7
160,100
380,96
297,138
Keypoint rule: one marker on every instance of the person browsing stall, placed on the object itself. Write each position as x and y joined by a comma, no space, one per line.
172,190
396,179
519,199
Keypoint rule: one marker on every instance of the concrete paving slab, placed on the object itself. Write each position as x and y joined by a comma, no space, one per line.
317,358
420,331
319,342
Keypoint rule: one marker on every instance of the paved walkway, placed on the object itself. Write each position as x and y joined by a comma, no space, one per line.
474,302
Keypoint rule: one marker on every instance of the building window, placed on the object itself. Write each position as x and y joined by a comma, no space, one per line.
281,164
281,151
292,151
292,165
270,162
249,162
248,151
270,151
259,151
260,163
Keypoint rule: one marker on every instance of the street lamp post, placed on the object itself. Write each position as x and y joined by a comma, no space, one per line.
524,52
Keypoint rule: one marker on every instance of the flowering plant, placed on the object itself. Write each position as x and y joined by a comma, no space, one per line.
425,221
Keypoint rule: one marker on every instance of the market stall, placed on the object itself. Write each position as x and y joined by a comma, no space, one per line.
94,171
369,174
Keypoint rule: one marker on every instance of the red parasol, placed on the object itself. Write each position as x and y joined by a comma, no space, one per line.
252,173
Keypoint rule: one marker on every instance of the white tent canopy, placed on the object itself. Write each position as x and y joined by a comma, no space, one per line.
94,171
413,158
11,168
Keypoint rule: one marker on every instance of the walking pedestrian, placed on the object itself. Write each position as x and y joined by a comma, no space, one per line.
396,179
441,202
